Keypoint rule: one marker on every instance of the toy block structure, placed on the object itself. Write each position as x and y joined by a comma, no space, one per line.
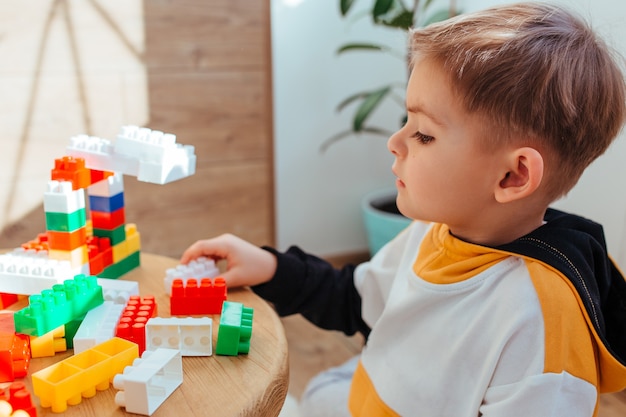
132,324
19,401
201,267
94,238
98,326
195,298
59,305
193,336
235,331
68,381
48,344
145,385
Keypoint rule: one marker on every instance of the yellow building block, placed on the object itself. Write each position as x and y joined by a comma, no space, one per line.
78,376
133,238
77,257
48,344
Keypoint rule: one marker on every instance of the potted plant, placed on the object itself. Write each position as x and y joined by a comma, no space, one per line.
381,216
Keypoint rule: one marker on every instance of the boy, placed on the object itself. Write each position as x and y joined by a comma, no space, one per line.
490,304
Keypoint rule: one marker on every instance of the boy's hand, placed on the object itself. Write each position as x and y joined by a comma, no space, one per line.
247,264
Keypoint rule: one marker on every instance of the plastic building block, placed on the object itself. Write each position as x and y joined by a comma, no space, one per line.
67,240
108,220
201,267
72,170
14,356
19,400
193,299
99,154
78,257
98,326
193,336
132,324
48,344
145,385
106,204
100,254
39,243
151,156
7,299
65,222
97,175
118,291
235,331
59,305
80,375
161,159
60,197
30,271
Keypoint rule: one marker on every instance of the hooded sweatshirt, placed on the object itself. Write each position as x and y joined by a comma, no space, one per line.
536,327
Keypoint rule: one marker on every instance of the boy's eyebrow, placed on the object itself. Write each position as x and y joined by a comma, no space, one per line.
419,109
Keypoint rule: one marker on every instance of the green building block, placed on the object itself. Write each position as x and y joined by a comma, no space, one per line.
118,269
116,235
64,222
235,331
59,305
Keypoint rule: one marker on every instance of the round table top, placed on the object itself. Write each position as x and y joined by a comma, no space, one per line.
244,385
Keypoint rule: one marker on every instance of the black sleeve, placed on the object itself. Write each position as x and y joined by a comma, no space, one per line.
311,286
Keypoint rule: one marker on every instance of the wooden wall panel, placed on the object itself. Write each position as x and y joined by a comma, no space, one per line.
208,74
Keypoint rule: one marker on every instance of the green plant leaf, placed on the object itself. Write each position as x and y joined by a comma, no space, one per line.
381,8
426,4
345,5
403,20
362,47
370,102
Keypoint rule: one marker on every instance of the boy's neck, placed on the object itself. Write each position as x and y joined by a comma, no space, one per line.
495,229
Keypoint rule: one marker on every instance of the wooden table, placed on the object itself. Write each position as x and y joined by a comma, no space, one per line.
246,385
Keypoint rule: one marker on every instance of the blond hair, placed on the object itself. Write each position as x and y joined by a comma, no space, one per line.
534,71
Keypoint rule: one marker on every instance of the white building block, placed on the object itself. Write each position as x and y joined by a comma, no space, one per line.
118,290
151,156
161,159
99,154
146,384
98,326
193,336
107,187
60,198
31,272
199,268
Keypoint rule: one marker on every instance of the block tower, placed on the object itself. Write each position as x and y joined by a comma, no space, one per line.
86,229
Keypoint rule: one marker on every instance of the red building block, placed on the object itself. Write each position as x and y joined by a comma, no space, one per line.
71,169
20,399
132,324
193,299
14,356
97,176
100,253
108,220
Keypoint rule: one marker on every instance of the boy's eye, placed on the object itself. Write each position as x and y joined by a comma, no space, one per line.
423,138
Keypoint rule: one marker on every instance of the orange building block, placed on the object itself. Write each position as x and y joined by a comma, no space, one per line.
67,240
71,169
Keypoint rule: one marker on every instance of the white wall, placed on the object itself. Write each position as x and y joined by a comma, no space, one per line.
318,195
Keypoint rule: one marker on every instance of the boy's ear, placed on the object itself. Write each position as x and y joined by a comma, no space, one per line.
523,176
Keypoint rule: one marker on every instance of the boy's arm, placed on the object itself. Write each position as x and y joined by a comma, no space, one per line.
310,286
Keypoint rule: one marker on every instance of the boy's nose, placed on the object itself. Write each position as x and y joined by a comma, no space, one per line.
394,144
